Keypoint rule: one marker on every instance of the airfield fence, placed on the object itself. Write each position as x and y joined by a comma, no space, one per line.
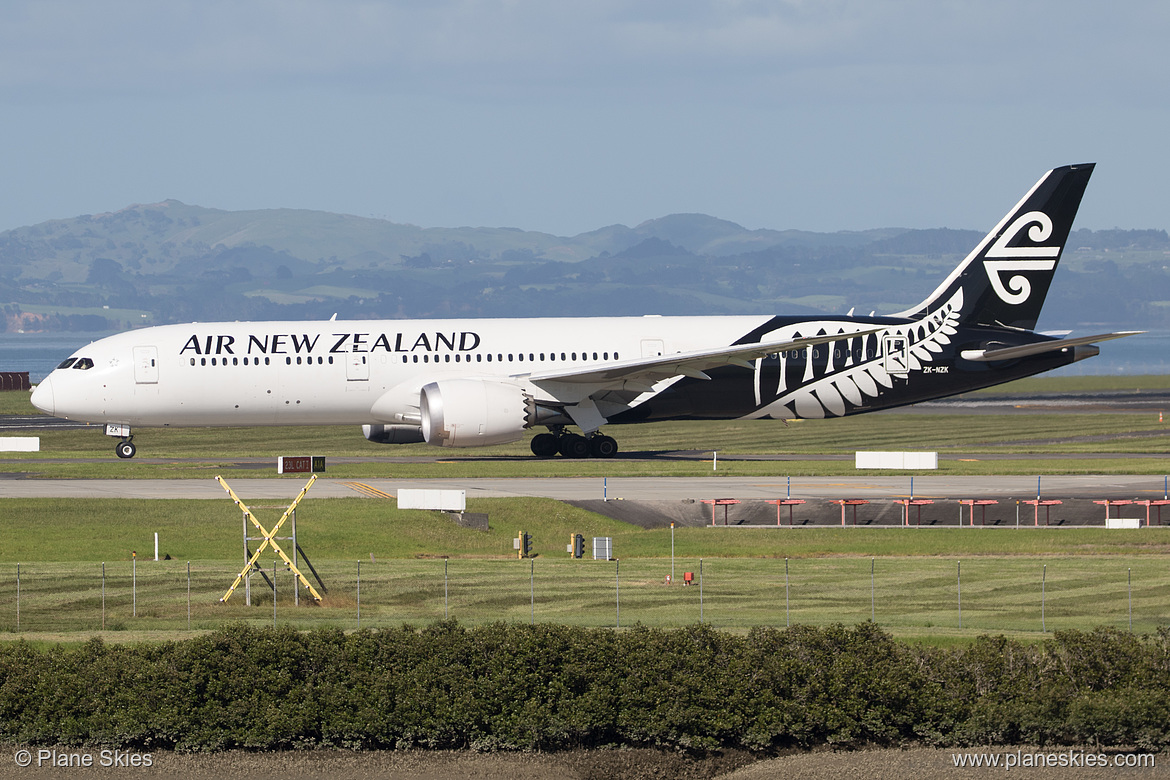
905,595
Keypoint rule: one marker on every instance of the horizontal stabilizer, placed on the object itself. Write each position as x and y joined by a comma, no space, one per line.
1040,347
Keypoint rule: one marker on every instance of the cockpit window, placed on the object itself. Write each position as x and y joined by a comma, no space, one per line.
83,364
68,362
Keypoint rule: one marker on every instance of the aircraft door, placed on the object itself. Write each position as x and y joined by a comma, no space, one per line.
652,347
896,353
357,369
146,365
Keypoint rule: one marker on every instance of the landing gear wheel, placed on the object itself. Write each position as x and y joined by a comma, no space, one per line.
544,445
574,446
602,446
125,449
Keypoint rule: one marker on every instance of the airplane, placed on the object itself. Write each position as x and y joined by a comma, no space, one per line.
479,382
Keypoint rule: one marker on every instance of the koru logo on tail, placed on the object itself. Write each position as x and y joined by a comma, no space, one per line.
1020,258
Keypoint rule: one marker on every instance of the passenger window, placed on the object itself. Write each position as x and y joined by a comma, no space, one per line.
70,361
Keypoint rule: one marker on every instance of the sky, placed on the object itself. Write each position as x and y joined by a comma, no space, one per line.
567,116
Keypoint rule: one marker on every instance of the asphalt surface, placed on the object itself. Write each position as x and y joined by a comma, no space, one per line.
615,488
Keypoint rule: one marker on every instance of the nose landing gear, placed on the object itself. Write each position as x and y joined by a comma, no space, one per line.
573,445
125,448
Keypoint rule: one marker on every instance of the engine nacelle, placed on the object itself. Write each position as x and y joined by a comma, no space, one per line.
473,413
393,434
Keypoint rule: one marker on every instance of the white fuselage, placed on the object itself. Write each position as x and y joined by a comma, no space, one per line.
341,372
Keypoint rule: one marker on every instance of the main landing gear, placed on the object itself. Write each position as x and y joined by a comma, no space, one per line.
573,445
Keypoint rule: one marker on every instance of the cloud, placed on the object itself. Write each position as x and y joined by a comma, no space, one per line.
807,49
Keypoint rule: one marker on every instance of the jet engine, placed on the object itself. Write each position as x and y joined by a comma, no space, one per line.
475,413
393,434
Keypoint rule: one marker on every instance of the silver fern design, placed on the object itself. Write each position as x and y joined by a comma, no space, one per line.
854,370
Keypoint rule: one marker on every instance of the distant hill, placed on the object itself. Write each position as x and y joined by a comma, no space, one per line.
171,262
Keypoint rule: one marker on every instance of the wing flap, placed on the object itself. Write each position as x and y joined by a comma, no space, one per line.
695,364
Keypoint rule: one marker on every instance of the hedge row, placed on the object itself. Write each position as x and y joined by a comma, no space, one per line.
553,687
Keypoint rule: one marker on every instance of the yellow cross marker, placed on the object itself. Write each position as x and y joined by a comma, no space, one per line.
269,539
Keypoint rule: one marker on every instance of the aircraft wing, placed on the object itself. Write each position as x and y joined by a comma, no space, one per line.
1040,347
643,373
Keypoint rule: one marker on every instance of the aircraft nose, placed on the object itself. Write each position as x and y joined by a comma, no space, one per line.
42,396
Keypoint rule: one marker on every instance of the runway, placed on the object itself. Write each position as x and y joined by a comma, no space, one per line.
616,488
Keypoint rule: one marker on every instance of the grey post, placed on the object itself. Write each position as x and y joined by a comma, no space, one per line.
700,590
872,612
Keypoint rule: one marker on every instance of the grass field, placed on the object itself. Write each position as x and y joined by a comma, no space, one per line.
68,454
61,547
64,454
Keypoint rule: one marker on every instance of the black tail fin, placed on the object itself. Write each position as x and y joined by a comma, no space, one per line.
1005,279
